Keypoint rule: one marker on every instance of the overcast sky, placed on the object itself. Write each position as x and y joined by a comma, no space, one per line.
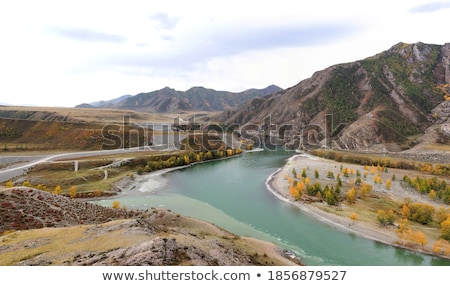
63,53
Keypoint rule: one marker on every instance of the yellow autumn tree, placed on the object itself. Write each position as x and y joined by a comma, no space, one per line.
442,213
57,190
98,193
404,230
445,229
441,246
405,211
419,237
9,184
26,184
116,205
377,179
432,194
354,217
351,196
301,187
73,192
388,184
366,189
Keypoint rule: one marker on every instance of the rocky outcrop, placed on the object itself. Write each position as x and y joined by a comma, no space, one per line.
24,208
56,230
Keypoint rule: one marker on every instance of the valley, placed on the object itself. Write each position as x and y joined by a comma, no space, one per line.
381,123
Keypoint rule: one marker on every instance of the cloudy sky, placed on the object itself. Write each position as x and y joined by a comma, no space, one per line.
62,53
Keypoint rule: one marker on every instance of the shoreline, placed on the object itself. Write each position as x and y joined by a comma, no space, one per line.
126,185
278,186
274,183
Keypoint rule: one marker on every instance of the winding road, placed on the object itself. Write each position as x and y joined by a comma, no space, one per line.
18,169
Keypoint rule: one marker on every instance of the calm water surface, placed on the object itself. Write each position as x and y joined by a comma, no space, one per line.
232,194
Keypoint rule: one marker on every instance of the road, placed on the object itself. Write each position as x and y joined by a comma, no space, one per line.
24,163
166,142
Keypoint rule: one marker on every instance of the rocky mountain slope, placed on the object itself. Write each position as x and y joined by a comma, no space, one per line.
39,228
194,99
386,102
104,103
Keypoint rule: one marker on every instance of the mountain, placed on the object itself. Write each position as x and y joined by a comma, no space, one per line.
103,103
194,99
388,101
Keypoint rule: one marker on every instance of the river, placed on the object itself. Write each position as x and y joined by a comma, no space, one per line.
232,194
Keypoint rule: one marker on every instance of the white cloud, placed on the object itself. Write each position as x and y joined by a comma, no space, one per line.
67,52
430,7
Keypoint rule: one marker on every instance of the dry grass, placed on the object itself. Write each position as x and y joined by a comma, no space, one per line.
73,245
101,115
435,147
60,244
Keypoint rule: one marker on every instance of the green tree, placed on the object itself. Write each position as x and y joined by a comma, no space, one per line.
304,175
386,217
421,213
209,155
381,217
330,175
331,197
316,174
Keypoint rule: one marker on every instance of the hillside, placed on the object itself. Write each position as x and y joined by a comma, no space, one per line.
38,228
53,128
194,99
80,115
27,135
388,101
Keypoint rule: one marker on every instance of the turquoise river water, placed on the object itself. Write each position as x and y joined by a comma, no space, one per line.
232,194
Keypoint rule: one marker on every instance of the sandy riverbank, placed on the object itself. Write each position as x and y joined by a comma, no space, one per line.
278,185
